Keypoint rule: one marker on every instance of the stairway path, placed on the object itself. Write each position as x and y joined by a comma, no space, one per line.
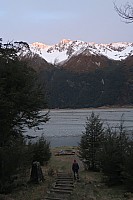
62,187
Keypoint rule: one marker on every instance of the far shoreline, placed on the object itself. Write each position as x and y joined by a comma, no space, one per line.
92,108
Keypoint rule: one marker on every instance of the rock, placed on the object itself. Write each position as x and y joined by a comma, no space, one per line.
36,173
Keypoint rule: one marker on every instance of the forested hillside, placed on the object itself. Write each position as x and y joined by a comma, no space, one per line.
111,85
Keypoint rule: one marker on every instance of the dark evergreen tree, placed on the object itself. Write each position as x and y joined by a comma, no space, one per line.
113,154
91,142
128,166
41,151
21,100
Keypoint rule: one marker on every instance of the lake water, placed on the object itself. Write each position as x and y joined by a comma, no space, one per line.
65,126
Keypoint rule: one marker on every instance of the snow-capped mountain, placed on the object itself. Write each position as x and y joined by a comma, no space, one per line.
66,49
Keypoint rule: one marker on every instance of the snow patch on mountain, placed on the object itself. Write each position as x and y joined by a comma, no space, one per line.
65,49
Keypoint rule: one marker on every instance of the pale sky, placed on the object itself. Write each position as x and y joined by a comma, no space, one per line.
49,21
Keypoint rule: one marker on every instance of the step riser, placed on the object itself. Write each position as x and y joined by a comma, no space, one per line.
64,185
48,198
59,177
59,181
61,192
63,188
67,181
64,177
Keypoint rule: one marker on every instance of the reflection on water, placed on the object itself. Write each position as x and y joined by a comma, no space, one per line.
71,123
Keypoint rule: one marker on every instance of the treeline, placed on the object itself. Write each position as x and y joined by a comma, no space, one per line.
102,87
109,151
21,100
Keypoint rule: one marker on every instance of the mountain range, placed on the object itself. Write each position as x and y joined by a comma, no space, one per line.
78,74
67,49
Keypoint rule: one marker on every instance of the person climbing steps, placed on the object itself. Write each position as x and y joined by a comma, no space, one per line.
75,169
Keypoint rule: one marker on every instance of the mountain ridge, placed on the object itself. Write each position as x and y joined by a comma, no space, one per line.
85,75
63,51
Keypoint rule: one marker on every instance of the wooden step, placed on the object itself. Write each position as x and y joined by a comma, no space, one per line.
64,177
62,188
64,185
61,191
53,198
64,181
64,174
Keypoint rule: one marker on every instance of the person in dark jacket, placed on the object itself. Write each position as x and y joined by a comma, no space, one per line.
75,169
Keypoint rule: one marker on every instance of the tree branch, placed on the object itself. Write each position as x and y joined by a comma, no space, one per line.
125,12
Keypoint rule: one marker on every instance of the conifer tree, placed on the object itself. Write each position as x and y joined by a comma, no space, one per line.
91,141
113,154
41,151
21,100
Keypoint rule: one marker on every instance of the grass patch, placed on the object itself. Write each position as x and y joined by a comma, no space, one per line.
89,187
